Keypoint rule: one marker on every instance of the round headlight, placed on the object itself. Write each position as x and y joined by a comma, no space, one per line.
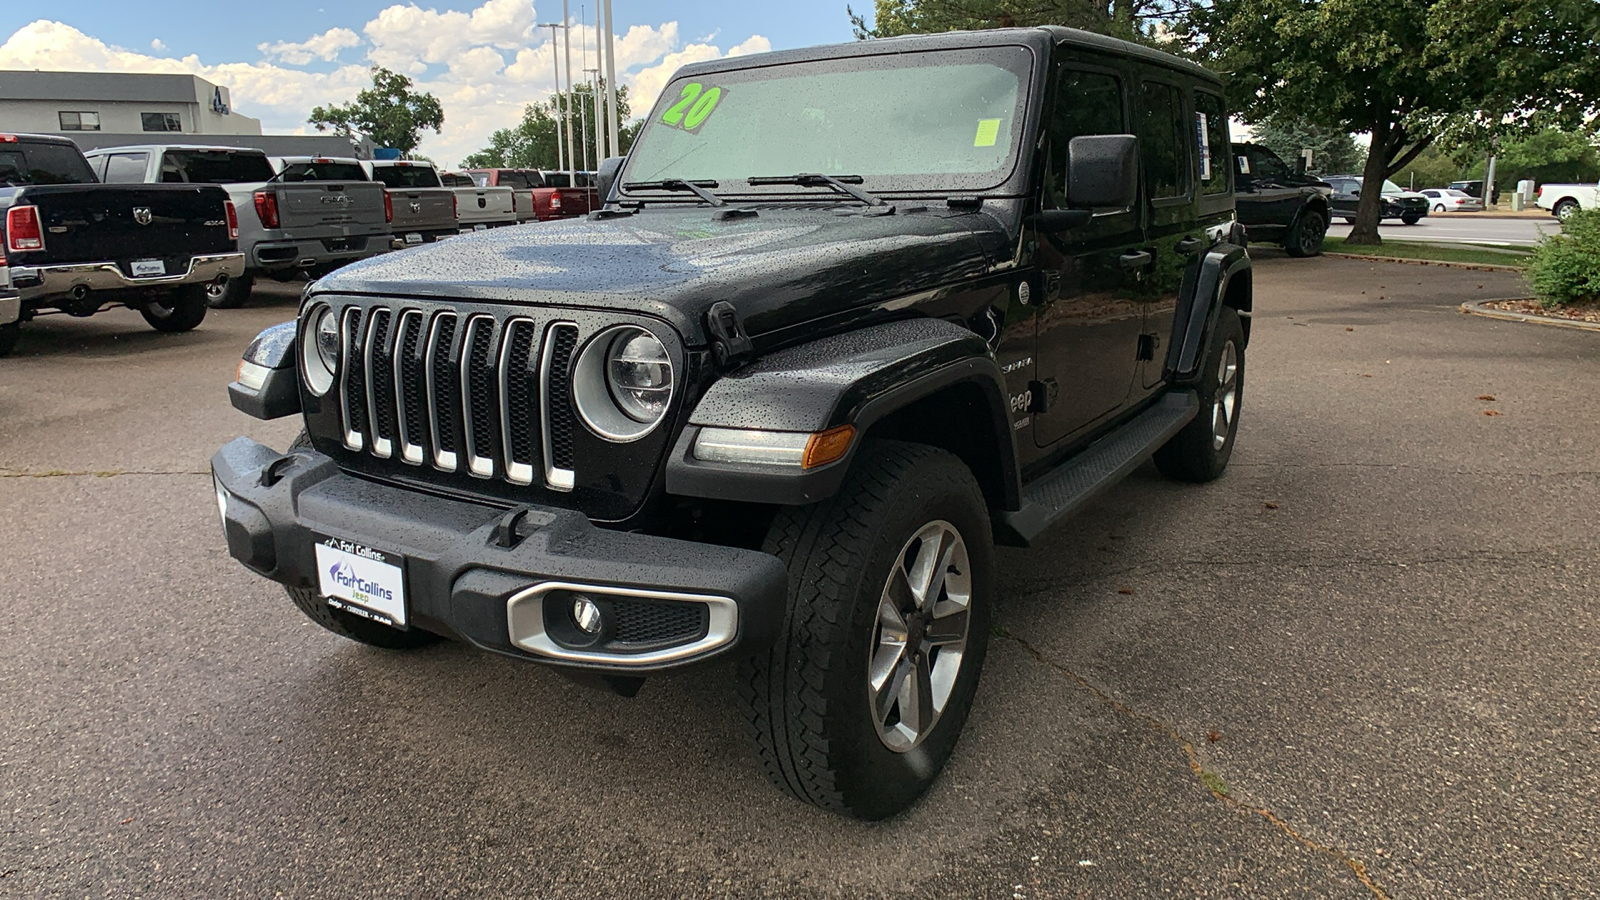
639,375
319,352
622,383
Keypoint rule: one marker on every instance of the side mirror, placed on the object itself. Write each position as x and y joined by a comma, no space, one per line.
1103,171
1355,192
267,387
1300,165
607,177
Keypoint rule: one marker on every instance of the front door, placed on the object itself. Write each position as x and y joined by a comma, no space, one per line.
1175,238
1089,321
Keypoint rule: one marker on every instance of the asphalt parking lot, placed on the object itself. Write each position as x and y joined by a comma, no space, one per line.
1362,664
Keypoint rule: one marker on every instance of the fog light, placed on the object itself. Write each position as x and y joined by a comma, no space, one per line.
586,615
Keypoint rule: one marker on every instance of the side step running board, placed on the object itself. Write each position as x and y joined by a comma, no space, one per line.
1059,494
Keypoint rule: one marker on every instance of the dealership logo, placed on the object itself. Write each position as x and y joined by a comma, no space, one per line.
141,214
344,575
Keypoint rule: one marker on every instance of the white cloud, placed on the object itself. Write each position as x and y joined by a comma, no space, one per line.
483,65
324,46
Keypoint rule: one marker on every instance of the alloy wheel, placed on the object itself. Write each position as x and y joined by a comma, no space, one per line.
1225,406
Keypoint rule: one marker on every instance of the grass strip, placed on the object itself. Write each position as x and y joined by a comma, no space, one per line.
1464,253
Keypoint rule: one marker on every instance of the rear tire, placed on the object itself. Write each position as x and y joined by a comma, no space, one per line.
181,309
232,295
825,700
1200,452
1565,209
1438,207
1305,238
8,337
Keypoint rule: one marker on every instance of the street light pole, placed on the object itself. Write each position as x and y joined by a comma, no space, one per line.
611,83
555,99
566,16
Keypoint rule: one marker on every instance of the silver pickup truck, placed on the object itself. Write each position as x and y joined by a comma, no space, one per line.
423,210
285,228
480,208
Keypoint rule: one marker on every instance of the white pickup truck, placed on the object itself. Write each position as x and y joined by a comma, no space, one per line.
1565,199
478,208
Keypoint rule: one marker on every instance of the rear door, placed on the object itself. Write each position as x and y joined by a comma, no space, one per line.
1174,235
1088,319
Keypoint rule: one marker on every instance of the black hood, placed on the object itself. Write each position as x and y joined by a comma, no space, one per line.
780,268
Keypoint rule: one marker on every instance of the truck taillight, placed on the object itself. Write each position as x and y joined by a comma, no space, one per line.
267,208
555,199
23,231
455,206
233,220
388,207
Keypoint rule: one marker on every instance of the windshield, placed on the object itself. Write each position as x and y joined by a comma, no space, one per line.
932,121
323,171
43,163
1390,187
217,166
406,176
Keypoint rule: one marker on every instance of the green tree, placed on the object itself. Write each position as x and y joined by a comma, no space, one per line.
531,143
1147,21
1334,151
389,113
1434,167
1407,72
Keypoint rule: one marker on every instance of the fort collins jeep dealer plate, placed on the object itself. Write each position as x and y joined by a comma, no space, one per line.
361,580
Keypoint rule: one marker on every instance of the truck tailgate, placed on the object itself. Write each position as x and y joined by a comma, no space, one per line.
423,209
96,222
314,207
493,204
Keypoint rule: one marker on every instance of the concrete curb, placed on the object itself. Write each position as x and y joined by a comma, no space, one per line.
1481,267
1479,308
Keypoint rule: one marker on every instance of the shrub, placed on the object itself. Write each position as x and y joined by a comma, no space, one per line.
1566,266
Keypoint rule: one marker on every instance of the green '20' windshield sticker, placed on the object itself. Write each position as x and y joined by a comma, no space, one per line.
695,104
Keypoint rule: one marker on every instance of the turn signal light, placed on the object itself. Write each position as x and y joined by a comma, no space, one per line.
828,446
388,207
555,199
23,231
267,208
233,220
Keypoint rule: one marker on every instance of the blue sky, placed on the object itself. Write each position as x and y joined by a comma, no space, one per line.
480,57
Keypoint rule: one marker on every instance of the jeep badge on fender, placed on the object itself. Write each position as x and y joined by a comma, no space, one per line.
776,401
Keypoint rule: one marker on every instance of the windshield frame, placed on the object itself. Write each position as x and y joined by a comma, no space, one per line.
1031,85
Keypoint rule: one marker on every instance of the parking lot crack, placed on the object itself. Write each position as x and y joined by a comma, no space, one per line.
1211,781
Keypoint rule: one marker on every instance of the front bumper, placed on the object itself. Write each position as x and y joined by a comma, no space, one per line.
48,281
488,576
10,309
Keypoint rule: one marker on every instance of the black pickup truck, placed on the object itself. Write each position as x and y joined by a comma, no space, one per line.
850,316
78,246
1279,204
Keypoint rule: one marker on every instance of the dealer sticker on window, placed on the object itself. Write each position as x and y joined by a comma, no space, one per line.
361,580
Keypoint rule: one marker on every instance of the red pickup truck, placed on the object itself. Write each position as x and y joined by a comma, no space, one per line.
541,196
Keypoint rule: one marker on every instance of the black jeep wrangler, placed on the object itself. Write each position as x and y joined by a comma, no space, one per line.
849,317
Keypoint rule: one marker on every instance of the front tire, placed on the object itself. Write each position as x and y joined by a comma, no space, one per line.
858,704
232,295
181,309
1200,452
1411,218
1305,238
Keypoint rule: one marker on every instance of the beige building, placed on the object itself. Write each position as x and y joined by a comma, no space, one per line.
83,103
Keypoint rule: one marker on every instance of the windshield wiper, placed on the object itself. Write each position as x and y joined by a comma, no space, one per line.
697,188
841,183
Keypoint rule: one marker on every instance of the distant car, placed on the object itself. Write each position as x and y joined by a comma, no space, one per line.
480,208
1279,204
567,200
1565,199
526,185
421,209
1448,200
1473,187
1407,206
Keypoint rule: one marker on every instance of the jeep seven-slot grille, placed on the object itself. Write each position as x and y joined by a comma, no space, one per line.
460,391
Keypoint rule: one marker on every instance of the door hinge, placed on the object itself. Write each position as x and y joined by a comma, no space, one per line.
729,343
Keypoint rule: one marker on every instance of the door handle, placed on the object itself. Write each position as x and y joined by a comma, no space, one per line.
1189,245
1138,259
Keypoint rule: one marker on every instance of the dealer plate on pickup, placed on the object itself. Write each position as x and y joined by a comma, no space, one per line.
147,268
413,238
368,582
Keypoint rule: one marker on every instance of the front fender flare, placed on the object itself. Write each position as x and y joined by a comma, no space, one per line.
1204,292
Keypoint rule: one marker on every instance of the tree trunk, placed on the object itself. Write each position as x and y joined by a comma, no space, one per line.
1370,208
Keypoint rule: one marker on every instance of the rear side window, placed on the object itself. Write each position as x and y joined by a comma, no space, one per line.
218,166
406,176
1164,138
125,168
453,180
1087,103
520,180
43,164
1211,136
555,179
323,171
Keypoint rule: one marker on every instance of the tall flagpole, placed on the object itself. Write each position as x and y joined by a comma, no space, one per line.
555,98
566,17
611,83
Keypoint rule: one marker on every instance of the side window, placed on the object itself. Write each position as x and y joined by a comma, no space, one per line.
1087,103
98,165
124,168
1164,135
1270,167
1211,133
161,121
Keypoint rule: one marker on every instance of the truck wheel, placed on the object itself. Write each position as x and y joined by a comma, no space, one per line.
1200,451
1565,209
8,337
1411,218
181,309
1305,238
231,295
858,704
